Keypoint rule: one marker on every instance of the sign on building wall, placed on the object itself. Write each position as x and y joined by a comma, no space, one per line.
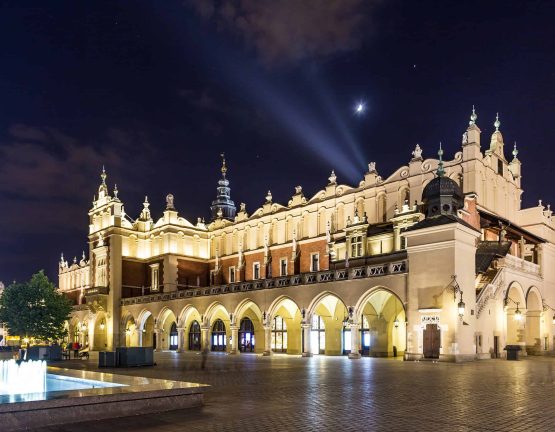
429,319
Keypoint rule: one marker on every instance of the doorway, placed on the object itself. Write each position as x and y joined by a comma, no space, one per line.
432,341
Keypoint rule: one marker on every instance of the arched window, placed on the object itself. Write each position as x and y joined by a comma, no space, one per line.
246,335
365,336
318,335
173,337
194,336
219,341
279,335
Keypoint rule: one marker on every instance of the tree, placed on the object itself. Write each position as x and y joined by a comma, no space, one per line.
34,309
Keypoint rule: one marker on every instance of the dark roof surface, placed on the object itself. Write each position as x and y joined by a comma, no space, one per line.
487,251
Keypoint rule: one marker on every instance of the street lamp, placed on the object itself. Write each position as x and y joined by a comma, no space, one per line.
518,313
460,307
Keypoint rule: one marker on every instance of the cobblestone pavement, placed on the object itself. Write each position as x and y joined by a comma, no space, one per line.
280,393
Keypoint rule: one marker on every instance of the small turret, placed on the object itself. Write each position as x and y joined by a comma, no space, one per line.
496,144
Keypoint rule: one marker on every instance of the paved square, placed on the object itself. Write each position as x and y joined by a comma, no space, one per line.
280,393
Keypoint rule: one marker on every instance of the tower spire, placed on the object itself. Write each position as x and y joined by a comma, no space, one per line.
515,151
473,117
224,167
440,169
223,206
497,123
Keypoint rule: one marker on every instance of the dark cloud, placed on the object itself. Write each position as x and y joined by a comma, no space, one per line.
46,175
287,31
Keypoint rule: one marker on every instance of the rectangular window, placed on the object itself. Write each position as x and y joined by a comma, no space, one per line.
315,262
356,246
154,277
232,275
212,277
256,270
283,267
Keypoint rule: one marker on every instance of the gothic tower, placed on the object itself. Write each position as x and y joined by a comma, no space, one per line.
223,206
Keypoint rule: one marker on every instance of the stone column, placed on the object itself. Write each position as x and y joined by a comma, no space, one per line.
267,340
306,329
158,333
205,338
355,343
180,339
234,340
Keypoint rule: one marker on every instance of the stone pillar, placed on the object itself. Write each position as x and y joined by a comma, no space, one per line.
306,329
205,338
180,339
267,340
234,340
158,333
355,342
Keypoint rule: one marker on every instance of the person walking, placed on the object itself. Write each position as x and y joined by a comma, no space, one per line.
204,354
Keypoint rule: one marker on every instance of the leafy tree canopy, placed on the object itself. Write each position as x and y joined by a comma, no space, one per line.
34,309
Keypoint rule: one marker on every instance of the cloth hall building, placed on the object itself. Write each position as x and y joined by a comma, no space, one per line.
437,260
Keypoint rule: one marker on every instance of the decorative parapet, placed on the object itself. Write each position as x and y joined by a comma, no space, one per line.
515,263
325,276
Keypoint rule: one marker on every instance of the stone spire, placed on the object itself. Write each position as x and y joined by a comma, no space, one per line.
103,188
471,138
514,166
440,169
145,213
473,117
223,203
496,144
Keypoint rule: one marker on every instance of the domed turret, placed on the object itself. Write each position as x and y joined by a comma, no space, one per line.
442,196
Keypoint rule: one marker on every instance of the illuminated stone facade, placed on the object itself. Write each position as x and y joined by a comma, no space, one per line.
358,270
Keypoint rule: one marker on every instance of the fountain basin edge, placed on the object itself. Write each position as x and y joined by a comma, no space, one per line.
134,396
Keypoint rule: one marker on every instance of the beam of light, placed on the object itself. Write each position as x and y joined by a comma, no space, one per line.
287,110
322,90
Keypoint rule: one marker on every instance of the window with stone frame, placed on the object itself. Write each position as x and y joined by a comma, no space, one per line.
356,246
232,274
256,270
283,267
315,262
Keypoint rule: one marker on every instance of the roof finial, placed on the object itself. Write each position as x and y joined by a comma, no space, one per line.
440,170
473,117
224,168
497,123
103,175
116,191
515,151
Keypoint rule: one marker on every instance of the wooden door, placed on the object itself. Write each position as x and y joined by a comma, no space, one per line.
432,341
496,346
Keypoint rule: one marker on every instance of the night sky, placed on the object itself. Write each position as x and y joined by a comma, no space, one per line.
157,90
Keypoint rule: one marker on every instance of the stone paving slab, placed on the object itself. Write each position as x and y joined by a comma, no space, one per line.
284,393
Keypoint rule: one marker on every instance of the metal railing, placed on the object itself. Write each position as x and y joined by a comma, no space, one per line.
325,276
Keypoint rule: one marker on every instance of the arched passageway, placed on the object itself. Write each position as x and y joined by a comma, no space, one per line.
194,336
219,339
166,322
382,320
247,339
534,312
515,312
328,335
285,318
